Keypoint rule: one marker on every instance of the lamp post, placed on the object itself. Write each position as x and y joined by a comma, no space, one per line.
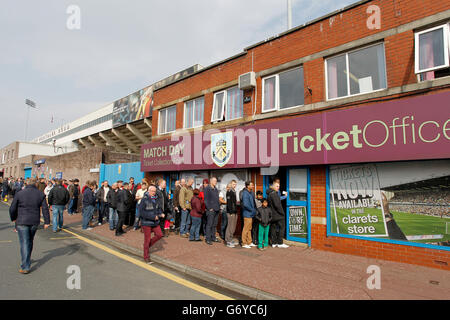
31,104
289,14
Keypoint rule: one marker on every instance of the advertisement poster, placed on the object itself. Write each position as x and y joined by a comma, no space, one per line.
356,199
298,224
134,107
407,201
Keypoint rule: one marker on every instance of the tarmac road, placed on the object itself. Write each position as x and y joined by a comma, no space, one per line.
103,274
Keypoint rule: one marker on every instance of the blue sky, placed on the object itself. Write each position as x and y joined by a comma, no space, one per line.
122,46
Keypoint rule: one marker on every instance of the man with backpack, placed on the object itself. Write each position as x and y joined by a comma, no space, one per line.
150,213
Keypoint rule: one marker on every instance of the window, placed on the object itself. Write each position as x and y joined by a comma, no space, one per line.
432,52
228,104
167,120
356,72
193,113
283,90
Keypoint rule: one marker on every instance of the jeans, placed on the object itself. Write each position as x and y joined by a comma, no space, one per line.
73,204
57,213
194,233
26,237
211,224
148,240
113,218
185,221
223,224
88,211
136,219
263,236
103,211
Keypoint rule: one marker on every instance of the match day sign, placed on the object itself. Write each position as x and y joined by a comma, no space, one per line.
298,223
356,201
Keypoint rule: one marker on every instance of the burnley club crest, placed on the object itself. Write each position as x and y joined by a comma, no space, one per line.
221,147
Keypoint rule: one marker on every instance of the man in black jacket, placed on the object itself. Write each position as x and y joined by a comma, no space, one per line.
25,210
231,214
212,204
278,217
102,195
111,197
57,199
163,199
123,206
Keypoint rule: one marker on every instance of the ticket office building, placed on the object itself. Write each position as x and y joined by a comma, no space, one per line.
360,134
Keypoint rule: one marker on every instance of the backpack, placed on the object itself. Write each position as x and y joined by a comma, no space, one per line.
148,208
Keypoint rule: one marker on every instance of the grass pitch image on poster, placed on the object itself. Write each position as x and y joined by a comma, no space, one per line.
412,198
355,201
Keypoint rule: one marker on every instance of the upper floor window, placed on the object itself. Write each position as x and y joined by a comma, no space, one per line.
283,90
167,120
356,72
432,52
193,113
228,104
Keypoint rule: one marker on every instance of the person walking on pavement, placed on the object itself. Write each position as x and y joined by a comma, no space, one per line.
102,197
231,214
89,202
186,194
278,217
150,213
25,211
196,216
58,197
248,206
212,205
263,216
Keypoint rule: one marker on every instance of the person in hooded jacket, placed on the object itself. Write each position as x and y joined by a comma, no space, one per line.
278,217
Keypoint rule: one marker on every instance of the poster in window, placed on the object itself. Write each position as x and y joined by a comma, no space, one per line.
413,200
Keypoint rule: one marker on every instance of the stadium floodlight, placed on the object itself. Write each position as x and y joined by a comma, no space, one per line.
31,104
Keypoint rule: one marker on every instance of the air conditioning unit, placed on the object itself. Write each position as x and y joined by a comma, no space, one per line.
247,81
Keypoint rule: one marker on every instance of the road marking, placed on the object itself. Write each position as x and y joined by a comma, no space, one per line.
162,273
58,238
5,241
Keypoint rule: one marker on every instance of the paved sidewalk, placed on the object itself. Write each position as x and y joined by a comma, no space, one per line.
292,273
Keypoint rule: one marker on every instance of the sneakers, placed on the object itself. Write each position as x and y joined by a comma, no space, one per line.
99,223
283,246
274,245
230,245
24,271
89,228
252,245
246,246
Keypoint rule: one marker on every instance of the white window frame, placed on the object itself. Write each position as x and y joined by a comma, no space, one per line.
193,111
165,124
446,33
277,90
224,105
348,72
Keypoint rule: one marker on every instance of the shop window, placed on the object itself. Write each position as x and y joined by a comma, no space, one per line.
400,202
193,113
167,120
356,72
283,90
228,104
298,184
432,53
